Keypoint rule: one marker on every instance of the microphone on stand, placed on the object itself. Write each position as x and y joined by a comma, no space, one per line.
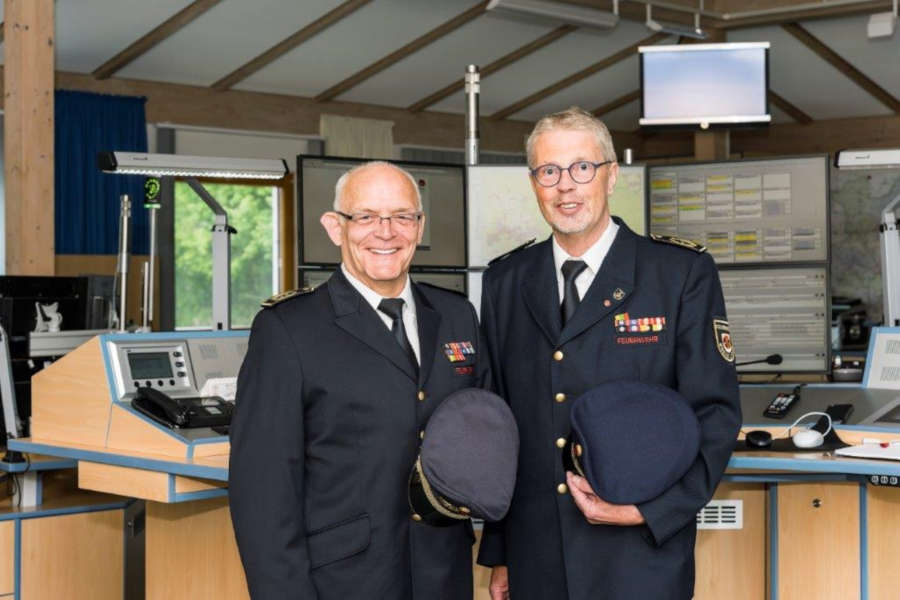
772,359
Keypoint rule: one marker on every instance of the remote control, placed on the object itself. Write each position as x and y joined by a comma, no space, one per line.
780,405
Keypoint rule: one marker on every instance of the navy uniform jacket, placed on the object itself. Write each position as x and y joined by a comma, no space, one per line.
551,550
325,433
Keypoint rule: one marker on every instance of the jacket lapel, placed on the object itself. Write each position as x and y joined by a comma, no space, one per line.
354,315
612,286
542,294
429,320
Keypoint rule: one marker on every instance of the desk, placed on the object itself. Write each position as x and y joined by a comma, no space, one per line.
811,521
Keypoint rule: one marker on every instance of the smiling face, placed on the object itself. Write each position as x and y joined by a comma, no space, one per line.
377,255
577,212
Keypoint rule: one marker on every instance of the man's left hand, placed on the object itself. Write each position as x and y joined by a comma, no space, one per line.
598,511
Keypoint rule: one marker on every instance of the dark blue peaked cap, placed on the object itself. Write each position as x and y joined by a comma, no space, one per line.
467,463
631,440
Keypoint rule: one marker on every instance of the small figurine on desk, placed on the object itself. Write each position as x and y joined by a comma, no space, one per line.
48,317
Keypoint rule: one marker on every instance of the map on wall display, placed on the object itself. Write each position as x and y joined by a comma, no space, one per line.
503,212
747,211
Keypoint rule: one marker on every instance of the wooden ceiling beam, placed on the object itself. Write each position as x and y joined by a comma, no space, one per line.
401,53
500,63
792,110
620,101
154,37
288,44
839,63
576,77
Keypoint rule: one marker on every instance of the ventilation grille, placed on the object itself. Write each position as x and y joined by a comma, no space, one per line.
721,514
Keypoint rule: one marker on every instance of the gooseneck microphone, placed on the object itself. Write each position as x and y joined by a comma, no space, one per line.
772,359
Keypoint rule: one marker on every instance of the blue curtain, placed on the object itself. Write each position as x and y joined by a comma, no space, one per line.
87,200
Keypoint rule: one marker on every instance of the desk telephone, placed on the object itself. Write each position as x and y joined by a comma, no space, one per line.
202,411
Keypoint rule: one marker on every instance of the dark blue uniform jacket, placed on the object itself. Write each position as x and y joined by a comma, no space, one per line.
540,367
325,433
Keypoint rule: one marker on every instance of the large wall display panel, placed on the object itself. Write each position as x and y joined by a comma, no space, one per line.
452,281
504,214
779,310
760,211
443,200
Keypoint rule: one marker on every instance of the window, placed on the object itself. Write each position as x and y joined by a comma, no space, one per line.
252,211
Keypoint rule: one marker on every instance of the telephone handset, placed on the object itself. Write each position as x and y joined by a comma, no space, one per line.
208,411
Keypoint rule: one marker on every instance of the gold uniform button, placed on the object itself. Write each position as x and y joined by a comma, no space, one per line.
558,355
560,397
416,517
562,488
422,435
561,443
421,395
578,450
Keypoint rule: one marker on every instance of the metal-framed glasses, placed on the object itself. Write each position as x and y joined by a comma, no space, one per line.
582,171
405,220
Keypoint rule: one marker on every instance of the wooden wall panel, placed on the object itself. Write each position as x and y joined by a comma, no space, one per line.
731,563
883,505
198,534
818,547
7,557
77,557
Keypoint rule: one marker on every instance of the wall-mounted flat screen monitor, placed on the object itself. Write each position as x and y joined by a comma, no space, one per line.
779,310
503,212
452,281
443,199
702,85
748,211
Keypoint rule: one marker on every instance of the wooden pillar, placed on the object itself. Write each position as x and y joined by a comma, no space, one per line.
712,145
28,136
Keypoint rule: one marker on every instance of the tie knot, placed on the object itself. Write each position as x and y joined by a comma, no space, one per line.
572,269
392,307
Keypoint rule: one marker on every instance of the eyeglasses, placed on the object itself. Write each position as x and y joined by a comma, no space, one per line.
368,220
582,171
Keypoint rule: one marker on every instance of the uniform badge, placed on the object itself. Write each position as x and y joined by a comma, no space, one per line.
619,294
723,339
623,323
458,351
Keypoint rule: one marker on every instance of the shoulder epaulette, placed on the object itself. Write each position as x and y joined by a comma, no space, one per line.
677,241
511,252
279,298
442,288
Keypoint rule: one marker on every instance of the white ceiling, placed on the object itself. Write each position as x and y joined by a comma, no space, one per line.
90,32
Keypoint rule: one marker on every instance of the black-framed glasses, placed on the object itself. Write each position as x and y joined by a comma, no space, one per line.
406,220
582,171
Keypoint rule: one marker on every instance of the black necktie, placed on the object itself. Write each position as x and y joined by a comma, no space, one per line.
571,269
393,307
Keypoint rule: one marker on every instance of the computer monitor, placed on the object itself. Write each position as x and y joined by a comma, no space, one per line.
703,85
503,212
779,310
750,211
443,191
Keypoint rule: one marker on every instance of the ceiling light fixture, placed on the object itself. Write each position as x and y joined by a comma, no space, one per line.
558,12
177,165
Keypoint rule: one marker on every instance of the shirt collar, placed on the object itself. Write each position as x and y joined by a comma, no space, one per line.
374,298
594,255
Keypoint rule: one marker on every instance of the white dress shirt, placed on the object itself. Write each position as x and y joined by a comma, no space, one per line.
593,258
409,308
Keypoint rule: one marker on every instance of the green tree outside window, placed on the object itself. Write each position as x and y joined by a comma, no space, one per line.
250,211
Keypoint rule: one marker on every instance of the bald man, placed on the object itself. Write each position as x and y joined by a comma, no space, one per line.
332,402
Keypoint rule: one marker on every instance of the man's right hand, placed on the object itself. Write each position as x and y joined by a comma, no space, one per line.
499,583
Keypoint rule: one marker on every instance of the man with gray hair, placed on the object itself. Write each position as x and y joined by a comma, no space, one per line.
597,303
332,401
